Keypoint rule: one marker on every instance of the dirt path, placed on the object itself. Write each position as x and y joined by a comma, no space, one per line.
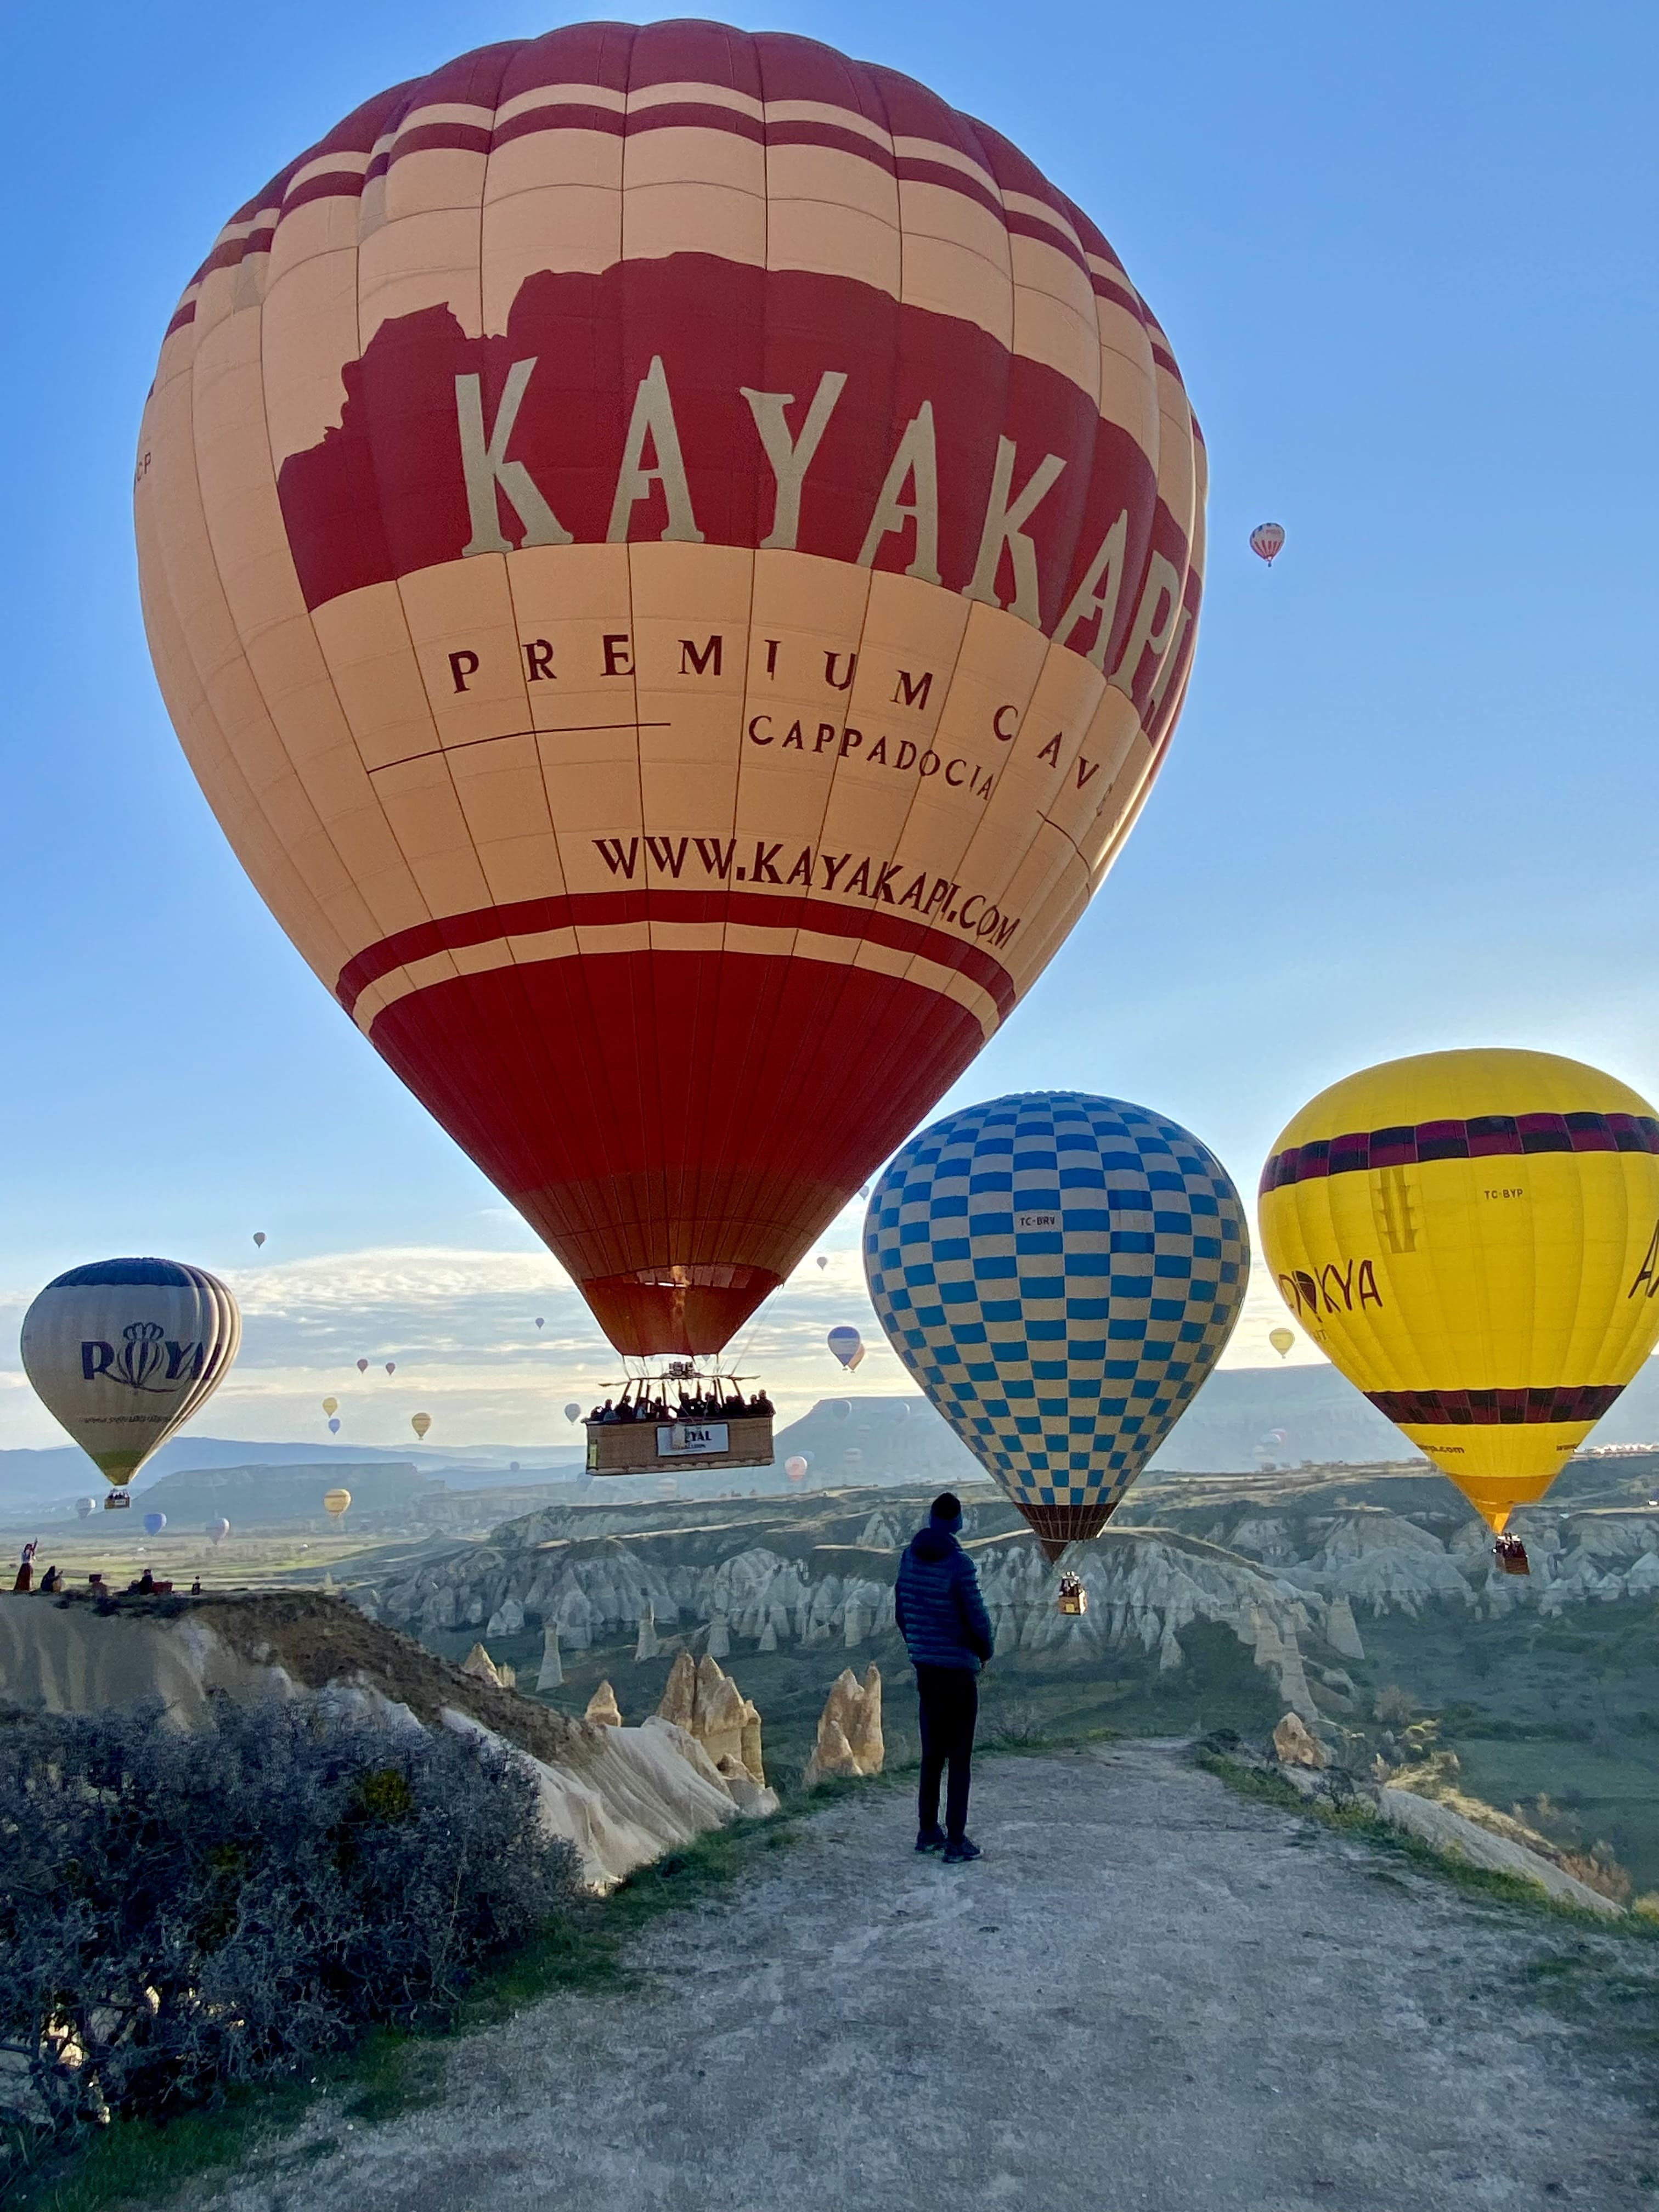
1148,1993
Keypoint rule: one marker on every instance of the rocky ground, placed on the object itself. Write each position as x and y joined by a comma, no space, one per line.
1213,1600
1148,1993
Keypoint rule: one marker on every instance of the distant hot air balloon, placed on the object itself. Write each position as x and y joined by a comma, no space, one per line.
331,1405
964,556
258,1237
1268,541
512,1466
336,1503
362,1367
392,1367
540,1323
1072,1266
573,1411
124,1352
420,1423
840,1409
795,1468
824,1260
334,1425
86,1507
848,1345
1283,1341
864,1191
1472,1237
154,1523
217,1529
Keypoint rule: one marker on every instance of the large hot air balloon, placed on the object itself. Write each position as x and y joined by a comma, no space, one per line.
573,1411
848,1345
337,1504
676,539
1283,1342
1268,541
1060,1275
420,1423
1474,1239
124,1352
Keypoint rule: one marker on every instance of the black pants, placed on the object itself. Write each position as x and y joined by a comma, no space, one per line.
950,1707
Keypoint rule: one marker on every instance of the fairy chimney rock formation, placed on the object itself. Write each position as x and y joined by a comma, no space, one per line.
482,1667
650,1643
701,1697
849,1743
1341,1631
603,1709
1294,1745
552,1674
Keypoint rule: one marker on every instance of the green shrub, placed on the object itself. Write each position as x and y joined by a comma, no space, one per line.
179,1913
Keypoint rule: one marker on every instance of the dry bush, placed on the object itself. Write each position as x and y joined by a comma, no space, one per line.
1392,1705
178,1911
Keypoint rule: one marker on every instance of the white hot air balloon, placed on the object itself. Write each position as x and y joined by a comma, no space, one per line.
848,1345
124,1352
1268,541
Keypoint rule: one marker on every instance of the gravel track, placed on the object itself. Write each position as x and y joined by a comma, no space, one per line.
1147,1994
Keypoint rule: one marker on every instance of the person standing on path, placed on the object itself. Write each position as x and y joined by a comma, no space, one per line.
947,1632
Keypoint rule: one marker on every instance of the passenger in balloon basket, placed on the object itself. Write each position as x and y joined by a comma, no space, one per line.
1510,1554
947,1632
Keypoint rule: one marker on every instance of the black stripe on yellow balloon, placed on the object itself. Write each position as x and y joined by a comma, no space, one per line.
1483,1136
1456,1409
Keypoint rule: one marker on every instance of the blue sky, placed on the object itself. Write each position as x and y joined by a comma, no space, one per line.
1404,257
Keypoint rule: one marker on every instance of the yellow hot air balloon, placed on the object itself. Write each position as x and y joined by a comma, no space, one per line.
1282,1341
335,1502
420,1423
1474,1239
331,1405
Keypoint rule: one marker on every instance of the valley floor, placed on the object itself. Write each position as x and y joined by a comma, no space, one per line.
1148,1993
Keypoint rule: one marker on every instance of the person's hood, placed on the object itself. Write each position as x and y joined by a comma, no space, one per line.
933,1543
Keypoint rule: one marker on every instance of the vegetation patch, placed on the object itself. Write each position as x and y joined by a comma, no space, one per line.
185,1916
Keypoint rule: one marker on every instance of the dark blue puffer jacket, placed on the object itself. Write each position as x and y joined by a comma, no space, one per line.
941,1614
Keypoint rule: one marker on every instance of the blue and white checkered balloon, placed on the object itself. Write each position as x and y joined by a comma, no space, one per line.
1058,1273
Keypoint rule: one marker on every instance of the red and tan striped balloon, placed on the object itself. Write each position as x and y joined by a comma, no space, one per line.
674,556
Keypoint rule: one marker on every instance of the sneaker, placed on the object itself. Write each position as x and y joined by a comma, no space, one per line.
963,1848
930,1839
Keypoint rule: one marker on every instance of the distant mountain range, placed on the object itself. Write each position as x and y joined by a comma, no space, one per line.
1244,1418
